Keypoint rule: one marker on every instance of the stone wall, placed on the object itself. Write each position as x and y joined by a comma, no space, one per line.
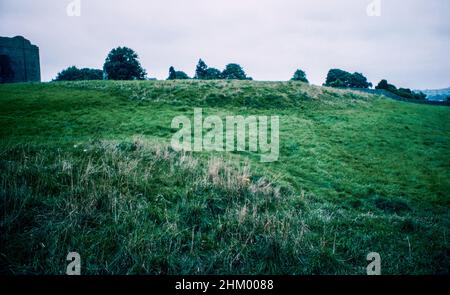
24,58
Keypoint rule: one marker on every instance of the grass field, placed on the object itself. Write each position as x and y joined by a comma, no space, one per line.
87,167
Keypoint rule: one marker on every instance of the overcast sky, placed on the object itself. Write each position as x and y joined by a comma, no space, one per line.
408,44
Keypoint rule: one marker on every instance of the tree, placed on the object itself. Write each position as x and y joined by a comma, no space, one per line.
405,92
402,92
172,74
357,80
300,75
343,79
408,93
6,71
213,74
420,95
384,85
337,84
177,75
122,63
335,75
234,72
74,74
201,70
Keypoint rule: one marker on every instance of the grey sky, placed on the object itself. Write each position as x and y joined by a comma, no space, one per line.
408,44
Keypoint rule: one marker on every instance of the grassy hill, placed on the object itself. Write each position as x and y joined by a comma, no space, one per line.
87,167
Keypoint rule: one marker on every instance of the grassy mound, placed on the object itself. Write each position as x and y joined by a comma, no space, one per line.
86,167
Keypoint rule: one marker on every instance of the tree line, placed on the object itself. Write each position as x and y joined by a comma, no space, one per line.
122,63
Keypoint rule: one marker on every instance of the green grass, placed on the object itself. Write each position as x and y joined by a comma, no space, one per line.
87,167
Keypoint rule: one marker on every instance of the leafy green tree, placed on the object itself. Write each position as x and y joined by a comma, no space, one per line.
300,75
201,70
420,95
384,85
122,63
91,74
182,75
172,74
213,74
337,78
234,72
6,71
177,75
343,79
74,74
357,80
402,92
405,92
408,93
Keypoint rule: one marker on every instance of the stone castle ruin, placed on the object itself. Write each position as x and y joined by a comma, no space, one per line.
19,60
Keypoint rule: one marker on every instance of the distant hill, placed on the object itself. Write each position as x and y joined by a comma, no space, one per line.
437,94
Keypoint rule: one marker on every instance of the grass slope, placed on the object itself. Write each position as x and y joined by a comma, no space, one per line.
86,167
